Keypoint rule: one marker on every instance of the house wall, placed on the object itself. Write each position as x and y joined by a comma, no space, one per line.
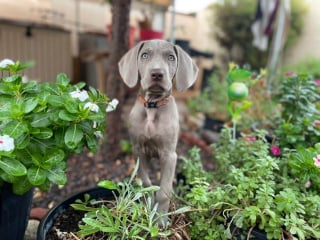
308,45
198,30
49,47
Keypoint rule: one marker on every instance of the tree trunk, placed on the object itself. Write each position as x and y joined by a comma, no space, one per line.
115,87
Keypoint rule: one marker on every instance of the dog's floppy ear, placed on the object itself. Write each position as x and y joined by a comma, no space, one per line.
128,66
187,70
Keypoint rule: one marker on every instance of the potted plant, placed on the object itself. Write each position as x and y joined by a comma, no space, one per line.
41,124
122,210
257,190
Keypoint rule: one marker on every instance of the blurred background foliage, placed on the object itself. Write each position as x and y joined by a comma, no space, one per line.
231,27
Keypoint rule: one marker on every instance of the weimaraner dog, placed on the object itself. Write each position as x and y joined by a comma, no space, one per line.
154,118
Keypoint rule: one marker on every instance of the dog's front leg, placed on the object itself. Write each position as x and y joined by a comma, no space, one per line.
143,171
163,196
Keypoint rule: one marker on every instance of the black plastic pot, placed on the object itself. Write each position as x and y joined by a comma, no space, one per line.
47,222
213,124
255,234
14,213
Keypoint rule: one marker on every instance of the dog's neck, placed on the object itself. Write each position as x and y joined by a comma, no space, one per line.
154,100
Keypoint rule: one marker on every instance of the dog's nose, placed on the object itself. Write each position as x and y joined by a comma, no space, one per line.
157,74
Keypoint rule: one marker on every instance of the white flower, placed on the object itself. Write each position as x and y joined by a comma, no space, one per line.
6,143
5,62
98,134
25,79
92,106
112,105
81,95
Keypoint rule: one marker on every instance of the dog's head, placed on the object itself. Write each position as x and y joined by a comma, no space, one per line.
156,63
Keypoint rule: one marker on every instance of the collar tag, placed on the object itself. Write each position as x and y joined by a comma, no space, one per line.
151,104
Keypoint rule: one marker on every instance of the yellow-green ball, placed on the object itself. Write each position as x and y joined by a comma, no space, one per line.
238,91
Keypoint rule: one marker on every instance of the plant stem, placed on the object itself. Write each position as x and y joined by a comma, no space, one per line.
234,130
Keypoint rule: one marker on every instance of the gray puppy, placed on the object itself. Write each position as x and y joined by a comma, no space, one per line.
154,118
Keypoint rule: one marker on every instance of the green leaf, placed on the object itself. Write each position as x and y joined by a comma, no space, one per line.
56,101
82,207
25,65
72,106
52,158
36,175
12,167
15,128
73,136
57,176
40,120
63,80
92,143
21,185
44,133
13,78
108,184
66,116
150,189
154,231
240,75
87,230
29,105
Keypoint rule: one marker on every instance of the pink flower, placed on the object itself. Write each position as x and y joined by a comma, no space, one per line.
290,74
317,82
250,138
308,184
317,124
275,150
317,160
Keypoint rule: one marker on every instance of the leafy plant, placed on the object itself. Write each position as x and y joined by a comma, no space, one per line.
131,215
305,168
298,97
251,190
41,124
256,186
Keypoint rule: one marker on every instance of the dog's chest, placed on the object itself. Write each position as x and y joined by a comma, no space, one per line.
151,124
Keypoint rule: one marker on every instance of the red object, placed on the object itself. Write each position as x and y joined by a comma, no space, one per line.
38,213
148,34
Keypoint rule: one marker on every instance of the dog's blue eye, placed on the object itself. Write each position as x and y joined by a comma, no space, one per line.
144,55
171,58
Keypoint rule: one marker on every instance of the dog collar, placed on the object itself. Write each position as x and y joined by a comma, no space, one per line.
154,104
